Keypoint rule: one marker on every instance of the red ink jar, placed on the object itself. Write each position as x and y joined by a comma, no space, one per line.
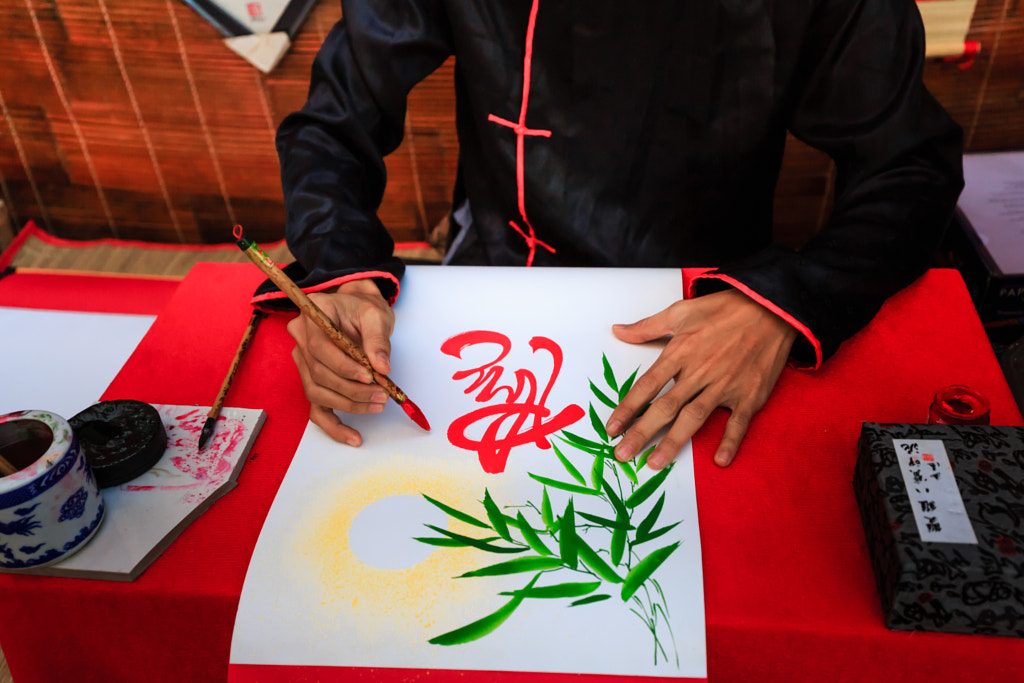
959,405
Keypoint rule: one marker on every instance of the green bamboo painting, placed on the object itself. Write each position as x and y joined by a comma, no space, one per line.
579,557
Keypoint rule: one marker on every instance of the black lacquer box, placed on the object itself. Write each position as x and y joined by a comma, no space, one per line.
943,512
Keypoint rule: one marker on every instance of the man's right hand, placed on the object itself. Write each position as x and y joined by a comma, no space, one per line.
333,381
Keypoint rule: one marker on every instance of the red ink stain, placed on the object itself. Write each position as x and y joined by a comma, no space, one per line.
984,465
134,487
1006,546
928,457
519,418
522,131
208,468
924,598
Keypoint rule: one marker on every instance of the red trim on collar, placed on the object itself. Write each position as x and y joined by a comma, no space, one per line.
800,327
335,283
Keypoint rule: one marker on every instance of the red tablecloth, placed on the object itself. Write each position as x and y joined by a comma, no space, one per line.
87,293
788,586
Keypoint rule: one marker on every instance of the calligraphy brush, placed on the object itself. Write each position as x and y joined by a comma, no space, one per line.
6,467
211,418
340,339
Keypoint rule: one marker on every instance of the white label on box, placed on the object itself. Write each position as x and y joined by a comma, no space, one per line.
938,507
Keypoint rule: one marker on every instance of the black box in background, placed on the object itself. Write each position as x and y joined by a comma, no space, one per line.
958,587
996,295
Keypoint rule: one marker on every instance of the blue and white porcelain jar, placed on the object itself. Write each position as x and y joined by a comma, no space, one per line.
50,507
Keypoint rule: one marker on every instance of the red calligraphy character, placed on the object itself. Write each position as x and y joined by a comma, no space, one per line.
519,416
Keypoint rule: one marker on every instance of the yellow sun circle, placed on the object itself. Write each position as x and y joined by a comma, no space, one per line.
417,599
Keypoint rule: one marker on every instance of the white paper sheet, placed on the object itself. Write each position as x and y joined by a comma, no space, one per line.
993,200
336,578
60,361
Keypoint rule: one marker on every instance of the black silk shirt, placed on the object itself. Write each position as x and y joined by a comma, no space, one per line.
645,134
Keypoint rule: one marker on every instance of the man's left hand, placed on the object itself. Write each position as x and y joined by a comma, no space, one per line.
724,350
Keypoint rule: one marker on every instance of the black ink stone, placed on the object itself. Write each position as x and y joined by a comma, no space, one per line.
120,439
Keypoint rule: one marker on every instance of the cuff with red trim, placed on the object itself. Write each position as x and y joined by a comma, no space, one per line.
269,297
806,350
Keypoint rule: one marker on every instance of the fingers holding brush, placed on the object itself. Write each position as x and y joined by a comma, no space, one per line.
356,306
323,402
331,379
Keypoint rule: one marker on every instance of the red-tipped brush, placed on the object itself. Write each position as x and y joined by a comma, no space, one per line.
340,339
413,411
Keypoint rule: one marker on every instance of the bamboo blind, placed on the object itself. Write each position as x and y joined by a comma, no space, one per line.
130,119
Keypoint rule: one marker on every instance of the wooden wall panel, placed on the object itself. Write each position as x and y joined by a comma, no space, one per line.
131,119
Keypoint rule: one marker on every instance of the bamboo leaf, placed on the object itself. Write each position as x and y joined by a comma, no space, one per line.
618,545
567,537
597,473
530,536
583,444
647,488
644,568
627,385
494,515
481,627
569,467
564,486
476,543
609,376
448,542
461,516
607,451
572,589
605,522
656,533
627,469
589,599
620,508
516,566
601,397
595,421
545,512
594,561
652,517
642,460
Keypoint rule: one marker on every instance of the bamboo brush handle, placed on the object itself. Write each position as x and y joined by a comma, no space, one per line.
307,306
6,467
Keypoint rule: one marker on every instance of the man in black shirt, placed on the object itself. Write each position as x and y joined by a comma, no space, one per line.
649,134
